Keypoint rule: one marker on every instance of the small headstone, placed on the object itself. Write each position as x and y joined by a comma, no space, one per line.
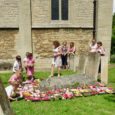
73,62
104,69
82,63
92,66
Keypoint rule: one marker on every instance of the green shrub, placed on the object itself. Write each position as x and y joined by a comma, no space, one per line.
112,59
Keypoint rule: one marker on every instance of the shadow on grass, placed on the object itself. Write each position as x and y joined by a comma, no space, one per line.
110,98
56,74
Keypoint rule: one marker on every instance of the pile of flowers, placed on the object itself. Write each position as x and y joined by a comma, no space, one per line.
30,91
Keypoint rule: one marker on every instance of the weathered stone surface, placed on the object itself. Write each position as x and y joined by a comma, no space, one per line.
82,63
5,108
25,42
104,69
104,23
67,81
80,14
9,13
41,14
92,65
73,62
43,39
7,43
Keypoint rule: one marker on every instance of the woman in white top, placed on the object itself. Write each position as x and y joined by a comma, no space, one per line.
56,62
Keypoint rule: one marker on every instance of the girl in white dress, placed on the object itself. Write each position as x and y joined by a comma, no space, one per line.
56,62
93,46
17,64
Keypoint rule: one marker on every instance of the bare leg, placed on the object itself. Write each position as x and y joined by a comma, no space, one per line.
52,70
68,62
12,99
59,71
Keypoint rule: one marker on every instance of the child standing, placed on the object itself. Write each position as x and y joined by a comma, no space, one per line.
25,61
100,48
30,67
71,52
64,55
17,64
101,51
93,46
71,49
56,62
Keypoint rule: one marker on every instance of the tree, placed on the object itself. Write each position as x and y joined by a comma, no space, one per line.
113,36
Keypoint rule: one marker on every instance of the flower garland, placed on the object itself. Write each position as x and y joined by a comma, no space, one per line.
31,92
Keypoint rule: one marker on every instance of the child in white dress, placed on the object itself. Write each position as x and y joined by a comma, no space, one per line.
56,62
93,46
11,92
17,64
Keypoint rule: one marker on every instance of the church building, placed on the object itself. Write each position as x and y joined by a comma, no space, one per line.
32,26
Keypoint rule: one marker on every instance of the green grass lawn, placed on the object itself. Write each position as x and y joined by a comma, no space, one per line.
93,105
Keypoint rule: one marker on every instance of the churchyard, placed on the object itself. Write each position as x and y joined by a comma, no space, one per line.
91,105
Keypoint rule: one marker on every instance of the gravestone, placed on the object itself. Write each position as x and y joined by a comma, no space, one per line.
73,62
104,69
88,73
5,108
64,82
82,63
92,65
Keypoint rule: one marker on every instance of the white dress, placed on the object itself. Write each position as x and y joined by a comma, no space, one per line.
57,62
93,48
16,66
9,90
